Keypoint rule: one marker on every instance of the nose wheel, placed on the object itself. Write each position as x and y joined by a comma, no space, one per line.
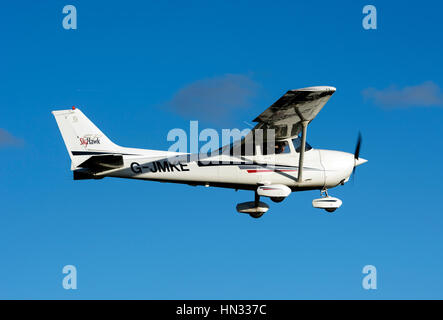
326,202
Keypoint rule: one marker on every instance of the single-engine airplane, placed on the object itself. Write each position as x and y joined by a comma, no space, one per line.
273,166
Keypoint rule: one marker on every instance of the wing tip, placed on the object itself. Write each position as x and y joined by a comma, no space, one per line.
65,111
317,88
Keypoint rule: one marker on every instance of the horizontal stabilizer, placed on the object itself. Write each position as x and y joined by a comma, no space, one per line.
84,174
102,163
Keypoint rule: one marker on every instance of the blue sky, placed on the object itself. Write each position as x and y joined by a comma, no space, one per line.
124,67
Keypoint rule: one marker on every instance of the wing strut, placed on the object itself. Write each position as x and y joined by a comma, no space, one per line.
304,124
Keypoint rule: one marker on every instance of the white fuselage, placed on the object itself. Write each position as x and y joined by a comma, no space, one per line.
321,169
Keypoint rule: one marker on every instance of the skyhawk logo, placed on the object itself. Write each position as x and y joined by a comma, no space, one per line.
87,140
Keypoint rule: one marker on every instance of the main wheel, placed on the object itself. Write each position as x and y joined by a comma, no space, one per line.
278,199
331,209
256,215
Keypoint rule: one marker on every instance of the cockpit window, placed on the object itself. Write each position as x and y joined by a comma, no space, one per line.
297,144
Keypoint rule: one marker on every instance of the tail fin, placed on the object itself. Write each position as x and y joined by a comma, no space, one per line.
82,138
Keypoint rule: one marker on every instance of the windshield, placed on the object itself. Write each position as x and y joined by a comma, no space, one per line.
297,143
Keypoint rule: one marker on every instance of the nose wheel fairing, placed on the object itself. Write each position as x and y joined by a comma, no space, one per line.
326,202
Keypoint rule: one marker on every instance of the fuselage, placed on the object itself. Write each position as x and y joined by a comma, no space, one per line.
321,169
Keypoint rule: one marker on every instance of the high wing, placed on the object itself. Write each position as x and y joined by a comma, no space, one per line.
295,106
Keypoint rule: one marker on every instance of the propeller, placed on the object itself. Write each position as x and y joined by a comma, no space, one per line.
356,153
357,147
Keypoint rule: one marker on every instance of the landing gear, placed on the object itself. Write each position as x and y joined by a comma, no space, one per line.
257,214
330,204
255,208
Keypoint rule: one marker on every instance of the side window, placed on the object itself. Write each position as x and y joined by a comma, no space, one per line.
245,148
280,147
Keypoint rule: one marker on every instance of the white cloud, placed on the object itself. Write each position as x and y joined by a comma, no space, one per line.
426,94
215,98
8,140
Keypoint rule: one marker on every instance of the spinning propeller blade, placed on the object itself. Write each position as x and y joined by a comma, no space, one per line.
357,147
357,160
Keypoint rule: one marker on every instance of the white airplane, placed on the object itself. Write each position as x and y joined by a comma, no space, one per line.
271,164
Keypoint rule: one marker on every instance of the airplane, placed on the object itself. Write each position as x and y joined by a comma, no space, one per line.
273,159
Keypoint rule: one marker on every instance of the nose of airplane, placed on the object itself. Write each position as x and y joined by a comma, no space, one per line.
359,161
337,166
